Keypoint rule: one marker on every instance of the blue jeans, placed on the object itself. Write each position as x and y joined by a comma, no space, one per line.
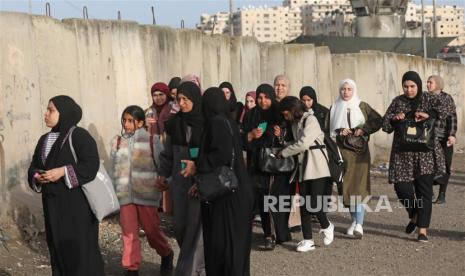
358,214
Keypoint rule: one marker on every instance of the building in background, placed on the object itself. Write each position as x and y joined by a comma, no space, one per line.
284,23
214,24
329,18
268,24
449,21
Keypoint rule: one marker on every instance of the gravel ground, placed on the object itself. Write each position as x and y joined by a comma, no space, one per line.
384,250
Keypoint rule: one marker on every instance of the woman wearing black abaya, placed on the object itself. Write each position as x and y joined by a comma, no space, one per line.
226,221
255,138
234,109
183,137
70,226
308,96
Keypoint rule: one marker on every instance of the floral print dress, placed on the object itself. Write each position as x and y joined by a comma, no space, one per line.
406,166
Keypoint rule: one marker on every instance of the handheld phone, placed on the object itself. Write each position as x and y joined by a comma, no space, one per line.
193,152
183,165
263,126
41,172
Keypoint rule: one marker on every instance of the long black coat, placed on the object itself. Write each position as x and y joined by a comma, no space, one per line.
227,220
71,227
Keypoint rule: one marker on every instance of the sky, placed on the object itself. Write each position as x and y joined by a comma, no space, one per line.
167,12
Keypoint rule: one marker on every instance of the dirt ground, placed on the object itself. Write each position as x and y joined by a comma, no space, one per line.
384,250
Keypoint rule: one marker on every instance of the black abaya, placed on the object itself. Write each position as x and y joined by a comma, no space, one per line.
227,220
71,227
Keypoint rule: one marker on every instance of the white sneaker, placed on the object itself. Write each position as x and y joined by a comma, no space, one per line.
305,246
358,231
329,234
350,230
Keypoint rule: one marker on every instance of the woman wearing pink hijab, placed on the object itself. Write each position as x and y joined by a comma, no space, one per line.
192,78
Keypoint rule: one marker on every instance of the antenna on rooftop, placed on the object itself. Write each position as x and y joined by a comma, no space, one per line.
153,16
84,13
47,9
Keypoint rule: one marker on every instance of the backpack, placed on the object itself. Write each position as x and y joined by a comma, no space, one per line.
333,157
336,164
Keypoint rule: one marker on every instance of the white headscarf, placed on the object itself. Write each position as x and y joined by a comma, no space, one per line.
339,108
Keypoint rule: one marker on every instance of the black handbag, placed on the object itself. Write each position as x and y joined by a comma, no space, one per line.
357,144
416,136
218,183
269,163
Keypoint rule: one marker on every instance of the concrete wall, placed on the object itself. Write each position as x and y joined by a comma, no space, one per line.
107,65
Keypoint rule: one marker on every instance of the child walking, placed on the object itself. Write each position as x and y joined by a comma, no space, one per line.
134,173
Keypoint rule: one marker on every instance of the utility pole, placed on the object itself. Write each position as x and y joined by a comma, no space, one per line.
435,34
231,25
423,31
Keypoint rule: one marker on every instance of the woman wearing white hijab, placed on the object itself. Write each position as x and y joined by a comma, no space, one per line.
350,116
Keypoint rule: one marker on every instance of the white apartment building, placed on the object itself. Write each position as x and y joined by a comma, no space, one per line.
286,22
449,21
214,24
275,24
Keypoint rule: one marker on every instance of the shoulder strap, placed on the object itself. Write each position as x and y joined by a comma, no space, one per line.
118,142
232,136
70,140
348,118
322,151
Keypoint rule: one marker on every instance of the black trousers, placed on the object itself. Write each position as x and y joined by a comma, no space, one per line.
416,196
313,190
279,220
444,180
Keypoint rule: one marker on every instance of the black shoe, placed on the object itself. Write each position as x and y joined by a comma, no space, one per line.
410,228
441,199
270,244
422,238
166,266
131,273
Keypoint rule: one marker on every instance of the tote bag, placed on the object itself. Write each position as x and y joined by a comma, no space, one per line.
99,192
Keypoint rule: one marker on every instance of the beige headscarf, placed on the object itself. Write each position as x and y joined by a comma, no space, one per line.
438,80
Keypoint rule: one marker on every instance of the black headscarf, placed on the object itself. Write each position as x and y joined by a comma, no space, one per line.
232,100
271,115
70,115
174,83
316,107
177,125
413,76
214,103
308,91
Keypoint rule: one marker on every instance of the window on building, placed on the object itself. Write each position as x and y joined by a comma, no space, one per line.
266,15
267,35
442,33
